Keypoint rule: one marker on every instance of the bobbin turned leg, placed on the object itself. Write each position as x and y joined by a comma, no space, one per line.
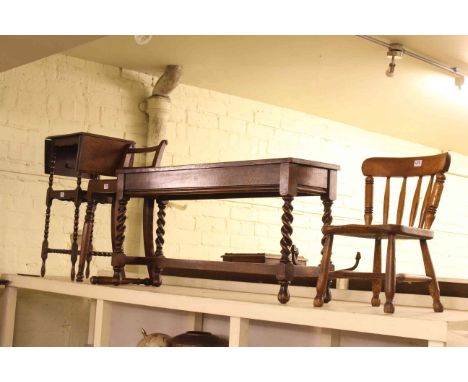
377,268
433,284
326,220
286,244
390,276
118,257
89,257
45,242
160,223
76,222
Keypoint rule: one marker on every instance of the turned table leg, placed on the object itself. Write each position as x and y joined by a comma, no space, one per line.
45,242
160,223
89,257
76,222
286,244
326,220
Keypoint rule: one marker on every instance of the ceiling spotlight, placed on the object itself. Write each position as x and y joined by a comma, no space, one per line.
391,68
143,40
459,81
395,52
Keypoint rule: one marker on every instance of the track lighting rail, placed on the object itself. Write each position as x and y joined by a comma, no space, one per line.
452,70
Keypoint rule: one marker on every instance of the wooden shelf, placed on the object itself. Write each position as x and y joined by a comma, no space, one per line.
249,301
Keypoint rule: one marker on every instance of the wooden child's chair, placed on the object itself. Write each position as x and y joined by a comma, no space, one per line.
433,167
104,191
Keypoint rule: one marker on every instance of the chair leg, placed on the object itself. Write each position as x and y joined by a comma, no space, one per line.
85,240
390,276
327,296
433,285
323,272
377,268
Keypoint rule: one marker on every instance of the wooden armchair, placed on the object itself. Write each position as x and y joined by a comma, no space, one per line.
433,167
104,191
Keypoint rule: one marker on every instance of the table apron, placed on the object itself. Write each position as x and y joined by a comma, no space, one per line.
270,180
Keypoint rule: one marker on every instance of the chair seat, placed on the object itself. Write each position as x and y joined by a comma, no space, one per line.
378,231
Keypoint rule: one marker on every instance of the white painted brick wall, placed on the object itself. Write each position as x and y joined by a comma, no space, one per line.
57,95
63,94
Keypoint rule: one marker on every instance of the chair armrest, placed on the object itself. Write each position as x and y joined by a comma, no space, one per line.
158,152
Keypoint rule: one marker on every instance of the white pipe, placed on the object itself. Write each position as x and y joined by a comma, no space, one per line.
158,109
168,81
158,105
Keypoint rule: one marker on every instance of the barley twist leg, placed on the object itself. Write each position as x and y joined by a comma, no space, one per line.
118,258
286,245
326,220
160,223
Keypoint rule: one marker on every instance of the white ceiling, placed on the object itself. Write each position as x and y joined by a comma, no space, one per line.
19,50
336,77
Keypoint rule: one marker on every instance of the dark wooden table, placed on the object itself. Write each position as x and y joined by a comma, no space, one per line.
284,177
77,155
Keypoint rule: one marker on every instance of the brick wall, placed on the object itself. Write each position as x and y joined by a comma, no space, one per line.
63,94
58,95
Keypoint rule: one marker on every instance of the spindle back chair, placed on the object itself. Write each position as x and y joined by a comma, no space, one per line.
434,167
104,191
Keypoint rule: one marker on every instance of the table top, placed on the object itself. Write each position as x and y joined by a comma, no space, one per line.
85,154
238,179
254,162
73,136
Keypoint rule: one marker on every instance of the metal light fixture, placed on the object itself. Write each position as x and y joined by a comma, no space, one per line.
395,52
459,79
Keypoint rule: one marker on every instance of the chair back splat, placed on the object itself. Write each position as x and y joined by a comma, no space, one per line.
433,167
